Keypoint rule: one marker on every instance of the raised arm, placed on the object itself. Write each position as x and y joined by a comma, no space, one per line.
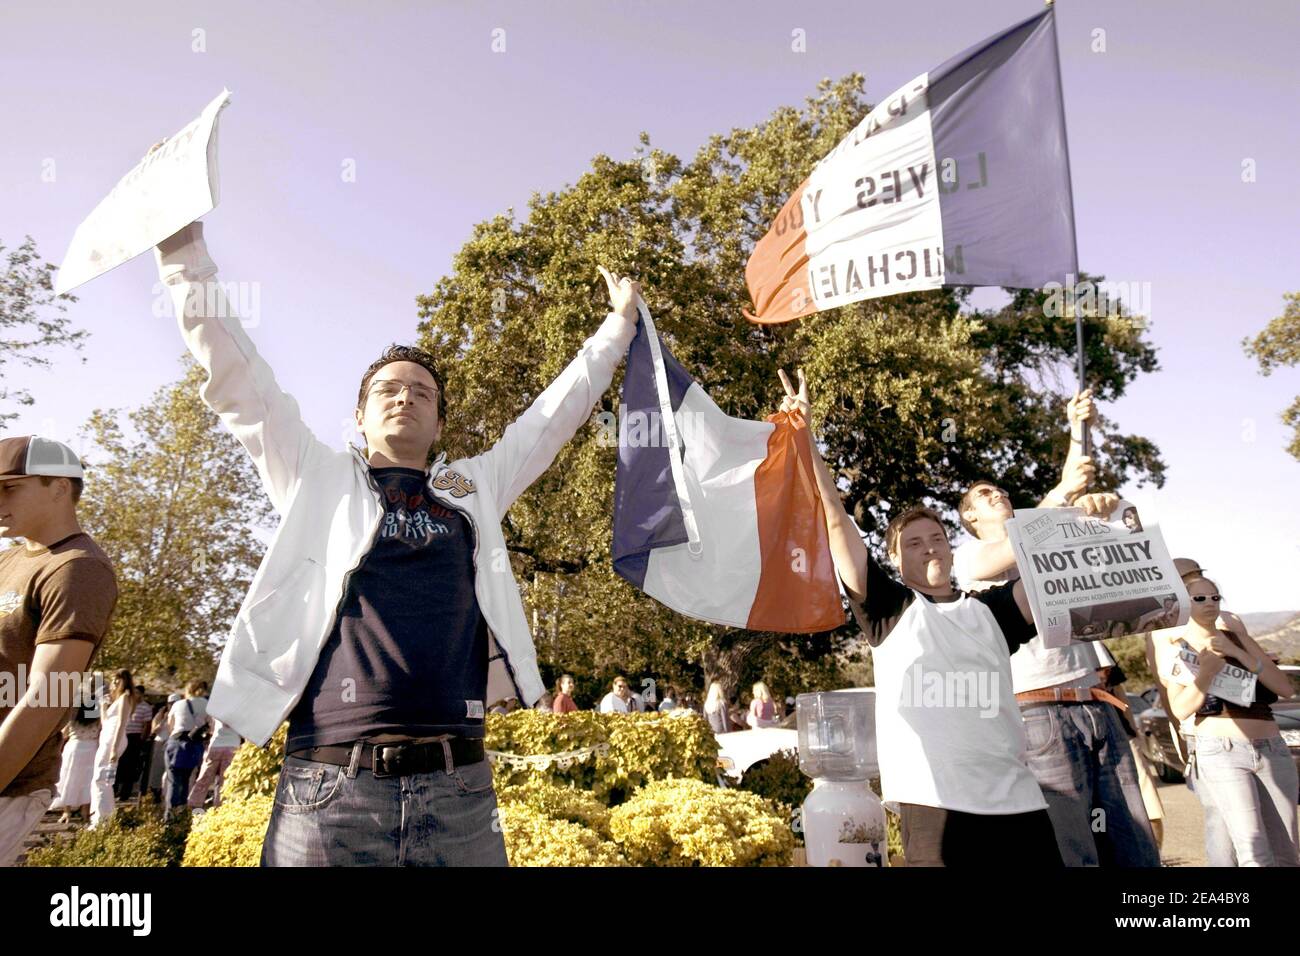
1078,471
991,560
532,441
241,387
847,547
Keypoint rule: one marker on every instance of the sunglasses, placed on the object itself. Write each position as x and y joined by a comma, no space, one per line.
1202,598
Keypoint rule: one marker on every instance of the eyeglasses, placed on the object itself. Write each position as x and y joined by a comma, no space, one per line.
1202,598
390,388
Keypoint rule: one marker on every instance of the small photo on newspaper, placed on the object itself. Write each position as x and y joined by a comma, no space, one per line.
1089,578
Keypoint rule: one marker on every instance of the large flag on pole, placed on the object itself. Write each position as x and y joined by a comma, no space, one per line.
961,177
717,517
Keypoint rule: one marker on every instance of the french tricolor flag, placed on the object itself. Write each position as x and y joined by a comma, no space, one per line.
717,517
960,177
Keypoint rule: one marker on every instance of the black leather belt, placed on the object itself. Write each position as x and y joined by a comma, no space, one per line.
398,759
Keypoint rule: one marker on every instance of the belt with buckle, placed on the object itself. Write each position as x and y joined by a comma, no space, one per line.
399,758
1069,695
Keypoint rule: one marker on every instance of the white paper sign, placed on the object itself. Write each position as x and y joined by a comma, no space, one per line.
1232,683
165,192
1091,579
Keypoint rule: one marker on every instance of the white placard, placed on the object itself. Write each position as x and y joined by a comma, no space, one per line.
165,192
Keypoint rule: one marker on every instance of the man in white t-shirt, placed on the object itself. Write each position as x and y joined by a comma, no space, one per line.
949,737
1078,745
619,700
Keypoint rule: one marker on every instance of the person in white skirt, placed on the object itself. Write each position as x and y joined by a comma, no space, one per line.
77,766
112,744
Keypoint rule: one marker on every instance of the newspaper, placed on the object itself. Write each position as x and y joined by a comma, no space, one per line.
1233,683
165,192
1089,579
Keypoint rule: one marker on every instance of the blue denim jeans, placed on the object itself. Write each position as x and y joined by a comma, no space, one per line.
1080,756
1253,784
325,817
1218,844
176,781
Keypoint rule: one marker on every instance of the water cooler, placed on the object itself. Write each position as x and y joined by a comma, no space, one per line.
843,819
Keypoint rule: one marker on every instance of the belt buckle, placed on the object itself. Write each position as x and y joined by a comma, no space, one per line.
386,760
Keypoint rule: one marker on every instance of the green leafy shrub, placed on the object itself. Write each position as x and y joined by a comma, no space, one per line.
691,823
559,803
255,771
133,836
534,838
779,779
231,834
642,748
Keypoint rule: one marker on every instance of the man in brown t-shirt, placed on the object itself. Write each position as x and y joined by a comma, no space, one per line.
57,592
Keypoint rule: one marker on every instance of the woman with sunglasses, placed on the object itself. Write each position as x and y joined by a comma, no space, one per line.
1240,761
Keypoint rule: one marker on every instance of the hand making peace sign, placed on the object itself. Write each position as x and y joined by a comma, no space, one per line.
795,401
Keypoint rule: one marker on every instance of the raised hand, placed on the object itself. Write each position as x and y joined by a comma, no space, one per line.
795,401
1076,477
1098,504
1080,410
623,294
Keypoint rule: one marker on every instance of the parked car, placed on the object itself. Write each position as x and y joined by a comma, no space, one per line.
1168,753
739,750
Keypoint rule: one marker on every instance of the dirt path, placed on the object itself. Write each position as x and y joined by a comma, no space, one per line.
1184,843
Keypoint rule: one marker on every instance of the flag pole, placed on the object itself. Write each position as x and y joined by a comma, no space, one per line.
1081,363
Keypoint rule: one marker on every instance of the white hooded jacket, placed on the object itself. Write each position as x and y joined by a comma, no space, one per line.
330,508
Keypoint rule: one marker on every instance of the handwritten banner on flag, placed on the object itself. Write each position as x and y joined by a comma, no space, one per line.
959,177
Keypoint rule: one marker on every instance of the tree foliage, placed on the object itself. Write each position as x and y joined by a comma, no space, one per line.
1279,345
31,319
171,499
915,396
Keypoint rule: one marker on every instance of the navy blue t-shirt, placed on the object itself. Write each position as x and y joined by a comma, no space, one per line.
408,653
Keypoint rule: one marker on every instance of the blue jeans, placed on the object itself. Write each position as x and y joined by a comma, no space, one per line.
324,817
176,782
1080,756
1253,784
1218,844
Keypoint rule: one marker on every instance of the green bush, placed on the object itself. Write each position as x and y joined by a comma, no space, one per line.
642,748
133,836
559,803
535,838
231,834
691,823
779,779
255,771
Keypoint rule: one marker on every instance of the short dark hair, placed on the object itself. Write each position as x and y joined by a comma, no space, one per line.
77,485
894,532
967,500
405,353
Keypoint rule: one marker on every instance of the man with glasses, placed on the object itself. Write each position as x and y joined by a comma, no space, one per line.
1078,748
385,612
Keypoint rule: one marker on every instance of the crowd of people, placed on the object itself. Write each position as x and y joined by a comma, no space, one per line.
1048,770
382,681
108,756
763,710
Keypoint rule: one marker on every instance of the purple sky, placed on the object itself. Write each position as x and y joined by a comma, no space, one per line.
445,133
